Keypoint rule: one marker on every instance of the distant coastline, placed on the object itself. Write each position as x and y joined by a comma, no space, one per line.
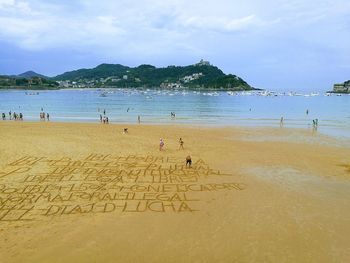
199,76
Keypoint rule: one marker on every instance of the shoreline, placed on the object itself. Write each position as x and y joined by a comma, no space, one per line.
307,129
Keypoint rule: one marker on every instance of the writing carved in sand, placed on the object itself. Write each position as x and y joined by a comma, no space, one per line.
37,187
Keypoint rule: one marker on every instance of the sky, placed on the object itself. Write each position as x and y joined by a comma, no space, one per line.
272,44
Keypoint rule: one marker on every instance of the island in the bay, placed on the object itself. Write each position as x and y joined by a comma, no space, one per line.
201,75
342,87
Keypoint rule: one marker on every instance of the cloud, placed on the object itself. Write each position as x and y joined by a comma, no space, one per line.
222,24
38,25
248,35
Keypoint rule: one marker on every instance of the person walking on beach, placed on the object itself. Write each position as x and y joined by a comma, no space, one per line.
181,142
20,116
10,115
161,144
314,125
42,116
281,121
101,118
188,161
139,119
48,116
3,116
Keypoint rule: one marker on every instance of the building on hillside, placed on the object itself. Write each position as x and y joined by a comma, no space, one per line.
203,63
342,87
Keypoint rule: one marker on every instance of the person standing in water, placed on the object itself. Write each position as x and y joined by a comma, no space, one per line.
281,121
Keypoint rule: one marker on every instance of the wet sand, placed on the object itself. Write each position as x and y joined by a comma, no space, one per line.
90,193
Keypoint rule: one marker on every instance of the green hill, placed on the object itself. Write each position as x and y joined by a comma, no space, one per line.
101,71
31,74
7,82
201,75
198,76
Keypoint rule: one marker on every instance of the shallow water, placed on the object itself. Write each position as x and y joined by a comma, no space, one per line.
202,108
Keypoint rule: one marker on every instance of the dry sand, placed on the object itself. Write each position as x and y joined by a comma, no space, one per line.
89,193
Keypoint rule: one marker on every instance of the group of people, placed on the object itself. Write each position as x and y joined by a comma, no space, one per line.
104,119
19,116
181,146
162,144
13,116
314,122
44,117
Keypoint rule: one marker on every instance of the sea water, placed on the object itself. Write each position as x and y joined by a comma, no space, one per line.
190,107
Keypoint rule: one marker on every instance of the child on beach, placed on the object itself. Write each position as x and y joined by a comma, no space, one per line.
161,144
188,161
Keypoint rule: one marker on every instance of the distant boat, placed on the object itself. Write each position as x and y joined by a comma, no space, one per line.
103,94
32,93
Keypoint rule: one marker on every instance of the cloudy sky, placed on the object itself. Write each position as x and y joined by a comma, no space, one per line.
276,44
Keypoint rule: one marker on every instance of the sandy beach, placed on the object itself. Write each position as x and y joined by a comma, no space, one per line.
76,192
